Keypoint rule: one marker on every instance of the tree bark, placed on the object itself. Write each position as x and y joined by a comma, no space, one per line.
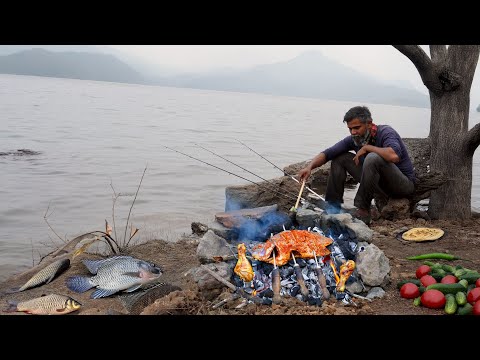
449,78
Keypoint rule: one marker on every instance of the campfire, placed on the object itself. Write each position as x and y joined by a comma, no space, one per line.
299,273
310,264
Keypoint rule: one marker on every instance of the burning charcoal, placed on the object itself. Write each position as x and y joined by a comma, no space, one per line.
301,262
267,301
286,271
287,282
267,293
312,276
294,290
237,281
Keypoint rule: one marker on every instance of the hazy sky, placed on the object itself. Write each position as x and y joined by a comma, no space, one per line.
381,61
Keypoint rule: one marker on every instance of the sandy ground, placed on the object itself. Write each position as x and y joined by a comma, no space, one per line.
461,238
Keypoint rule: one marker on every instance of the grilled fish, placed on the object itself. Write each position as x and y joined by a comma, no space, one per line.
135,303
44,276
53,304
123,273
302,242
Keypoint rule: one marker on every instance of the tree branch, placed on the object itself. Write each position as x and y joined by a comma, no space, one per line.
133,202
438,53
472,140
417,56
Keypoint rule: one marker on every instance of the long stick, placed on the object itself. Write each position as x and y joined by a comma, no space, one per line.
283,171
241,167
299,194
219,168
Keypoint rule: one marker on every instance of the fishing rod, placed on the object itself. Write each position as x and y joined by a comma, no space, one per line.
219,168
283,171
231,162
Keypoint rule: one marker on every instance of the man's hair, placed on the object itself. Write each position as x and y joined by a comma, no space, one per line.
360,112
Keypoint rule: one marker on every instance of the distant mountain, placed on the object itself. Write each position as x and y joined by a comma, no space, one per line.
308,75
75,65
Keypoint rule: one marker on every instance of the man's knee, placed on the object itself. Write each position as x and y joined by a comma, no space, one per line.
341,160
372,159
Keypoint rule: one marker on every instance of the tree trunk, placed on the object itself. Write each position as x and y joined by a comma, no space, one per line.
448,128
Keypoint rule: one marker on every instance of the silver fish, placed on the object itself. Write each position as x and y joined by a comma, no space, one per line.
53,304
44,276
116,274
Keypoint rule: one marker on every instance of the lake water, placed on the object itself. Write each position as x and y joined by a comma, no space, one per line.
96,138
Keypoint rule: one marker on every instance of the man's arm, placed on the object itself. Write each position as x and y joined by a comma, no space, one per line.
317,161
387,153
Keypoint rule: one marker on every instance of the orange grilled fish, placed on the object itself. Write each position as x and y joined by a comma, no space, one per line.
243,268
346,269
302,243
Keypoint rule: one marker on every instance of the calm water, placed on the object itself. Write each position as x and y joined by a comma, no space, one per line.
95,138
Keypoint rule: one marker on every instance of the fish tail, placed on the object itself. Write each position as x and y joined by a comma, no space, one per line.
12,306
78,284
13,290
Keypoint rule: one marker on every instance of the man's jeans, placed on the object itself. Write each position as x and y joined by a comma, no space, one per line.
376,177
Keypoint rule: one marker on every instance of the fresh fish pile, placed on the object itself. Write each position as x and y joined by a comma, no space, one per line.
53,304
46,275
114,274
135,303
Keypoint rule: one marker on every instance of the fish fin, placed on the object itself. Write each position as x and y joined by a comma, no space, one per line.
99,293
79,284
132,288
94,265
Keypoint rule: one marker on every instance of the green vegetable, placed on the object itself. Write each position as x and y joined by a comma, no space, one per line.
471,277
465,310
404,281
447,288
460,272
434,256
461,298
439,272
450,305
464,282
448,268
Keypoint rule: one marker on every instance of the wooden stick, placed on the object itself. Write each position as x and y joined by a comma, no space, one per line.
219,278
299,195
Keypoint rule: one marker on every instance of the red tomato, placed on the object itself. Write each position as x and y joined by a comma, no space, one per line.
449,279
433,299
473,295
427,280
476,308
422,270
477,283
409,291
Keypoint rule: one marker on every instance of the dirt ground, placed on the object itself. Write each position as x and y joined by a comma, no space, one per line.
461,238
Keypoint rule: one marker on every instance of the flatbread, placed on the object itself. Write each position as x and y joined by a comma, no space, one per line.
422,234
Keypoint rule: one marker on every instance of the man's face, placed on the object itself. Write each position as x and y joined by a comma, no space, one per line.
359,130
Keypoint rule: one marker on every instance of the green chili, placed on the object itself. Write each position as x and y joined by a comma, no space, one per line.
434,256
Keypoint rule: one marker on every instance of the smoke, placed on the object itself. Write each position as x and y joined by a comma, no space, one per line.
260,229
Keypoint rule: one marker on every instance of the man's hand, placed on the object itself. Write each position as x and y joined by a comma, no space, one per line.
304,174
360,153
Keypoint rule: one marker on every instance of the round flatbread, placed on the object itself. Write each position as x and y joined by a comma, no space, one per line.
422,234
